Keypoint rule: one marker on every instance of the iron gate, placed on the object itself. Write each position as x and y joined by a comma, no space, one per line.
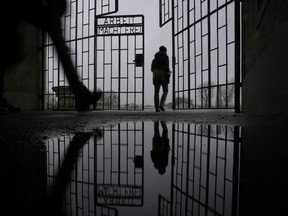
71,158
206,49
119,61
105,51
118,167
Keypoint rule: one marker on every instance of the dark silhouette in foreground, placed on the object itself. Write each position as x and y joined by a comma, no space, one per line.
45,14
161,148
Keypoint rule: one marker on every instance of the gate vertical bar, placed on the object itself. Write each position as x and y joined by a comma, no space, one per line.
143,51
44,37
208,163
187,168
237,56
119,72
173,56
189,56
172,163
209,57
236,171
95,58
160,13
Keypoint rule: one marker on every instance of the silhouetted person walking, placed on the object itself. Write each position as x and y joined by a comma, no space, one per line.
45,14
161,148
161,77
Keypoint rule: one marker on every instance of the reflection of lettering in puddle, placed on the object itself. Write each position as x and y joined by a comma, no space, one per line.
118,170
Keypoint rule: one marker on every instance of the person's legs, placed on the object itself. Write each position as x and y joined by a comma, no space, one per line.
85,98
156,96
156,130
164,96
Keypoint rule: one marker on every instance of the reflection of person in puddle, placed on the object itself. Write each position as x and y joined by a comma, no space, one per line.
160,151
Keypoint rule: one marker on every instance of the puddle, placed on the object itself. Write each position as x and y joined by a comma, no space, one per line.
151,168
147,168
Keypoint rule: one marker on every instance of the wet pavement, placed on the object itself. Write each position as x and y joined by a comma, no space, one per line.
143,163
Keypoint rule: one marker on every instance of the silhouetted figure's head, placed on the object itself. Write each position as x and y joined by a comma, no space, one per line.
162,49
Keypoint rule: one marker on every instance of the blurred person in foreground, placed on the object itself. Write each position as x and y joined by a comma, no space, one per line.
45,14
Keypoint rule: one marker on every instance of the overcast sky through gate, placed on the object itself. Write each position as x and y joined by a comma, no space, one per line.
154,37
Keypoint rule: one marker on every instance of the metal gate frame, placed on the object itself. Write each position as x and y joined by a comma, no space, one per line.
194,24
119,59
78,27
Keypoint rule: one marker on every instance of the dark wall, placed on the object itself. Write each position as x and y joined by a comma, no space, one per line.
265,57
23,80
263,172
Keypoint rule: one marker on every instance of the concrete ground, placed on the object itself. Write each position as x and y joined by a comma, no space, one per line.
31,127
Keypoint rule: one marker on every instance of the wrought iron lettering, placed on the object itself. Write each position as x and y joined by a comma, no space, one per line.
119,25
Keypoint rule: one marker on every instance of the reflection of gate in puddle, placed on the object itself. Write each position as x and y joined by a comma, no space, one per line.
118,170
107,171
204,171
